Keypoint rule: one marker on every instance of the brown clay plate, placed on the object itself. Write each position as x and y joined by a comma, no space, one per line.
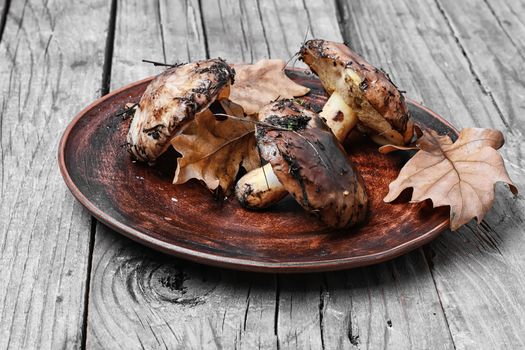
140,201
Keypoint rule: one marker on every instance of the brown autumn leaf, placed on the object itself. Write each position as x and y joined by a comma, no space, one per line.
213,151
385,149
460,174
258,84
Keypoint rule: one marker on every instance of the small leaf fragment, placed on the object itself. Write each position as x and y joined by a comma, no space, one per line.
392,148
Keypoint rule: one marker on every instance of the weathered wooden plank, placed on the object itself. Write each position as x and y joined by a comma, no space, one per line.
130,49
163,31
192,306
299,313
478,271
51,57
141,298
230,33
509,17
496,58
385,306
183,40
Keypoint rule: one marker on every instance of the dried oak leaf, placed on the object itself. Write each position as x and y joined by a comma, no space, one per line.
460,174
385,149
258,84
213,151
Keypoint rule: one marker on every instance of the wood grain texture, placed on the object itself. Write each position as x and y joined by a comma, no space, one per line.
141,298
235,309
496,59
51,56
129,50
478,271
384,306
162,31
508,16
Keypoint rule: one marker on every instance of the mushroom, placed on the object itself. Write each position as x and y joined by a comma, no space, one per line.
252,190
307,161
171,102
349,79
259,188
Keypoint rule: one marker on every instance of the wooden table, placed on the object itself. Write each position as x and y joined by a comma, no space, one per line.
67,281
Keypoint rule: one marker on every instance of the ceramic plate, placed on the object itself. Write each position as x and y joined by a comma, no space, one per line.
141,203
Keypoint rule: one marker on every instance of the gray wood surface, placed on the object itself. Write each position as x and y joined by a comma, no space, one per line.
509,18
478,270
496,59
463,59
51,57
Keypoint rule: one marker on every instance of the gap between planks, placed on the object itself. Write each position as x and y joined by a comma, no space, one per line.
104,90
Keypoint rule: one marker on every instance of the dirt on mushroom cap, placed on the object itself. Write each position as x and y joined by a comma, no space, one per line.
311,164
171,101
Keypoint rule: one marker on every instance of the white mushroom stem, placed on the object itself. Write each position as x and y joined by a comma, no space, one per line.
260,188
338,116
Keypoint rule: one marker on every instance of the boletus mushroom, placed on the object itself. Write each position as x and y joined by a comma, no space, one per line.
171,102
355,84
337,116
307,160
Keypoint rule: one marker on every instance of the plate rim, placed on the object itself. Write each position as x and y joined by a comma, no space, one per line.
229,262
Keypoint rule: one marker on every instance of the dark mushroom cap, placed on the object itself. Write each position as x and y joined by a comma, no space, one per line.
311,164
172,100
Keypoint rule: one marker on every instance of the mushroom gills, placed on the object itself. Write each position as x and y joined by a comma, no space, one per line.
380,107
347,86
378,127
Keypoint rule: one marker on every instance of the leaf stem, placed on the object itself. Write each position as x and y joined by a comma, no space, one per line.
229,142
275,127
